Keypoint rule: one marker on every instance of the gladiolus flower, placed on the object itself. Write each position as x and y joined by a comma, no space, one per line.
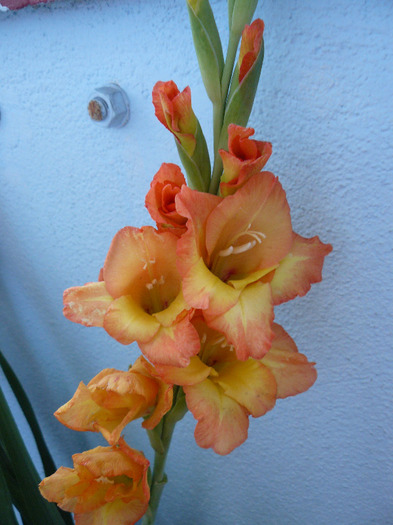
173,109
250,47
114,398
107,485
160,199
222,392
244,158
230,253
140,297
229,246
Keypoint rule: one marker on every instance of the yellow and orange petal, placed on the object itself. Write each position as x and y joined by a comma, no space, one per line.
292,371
173,109
87,304
247,325
164,396
244,158
250,46
114,398
160,199
255,222
300,268
250,383
222,424
173,345
107,485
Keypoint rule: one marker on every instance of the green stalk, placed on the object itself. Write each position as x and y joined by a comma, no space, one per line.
159,478
233,43
219,109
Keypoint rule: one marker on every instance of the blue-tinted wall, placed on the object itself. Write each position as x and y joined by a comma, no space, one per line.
67,186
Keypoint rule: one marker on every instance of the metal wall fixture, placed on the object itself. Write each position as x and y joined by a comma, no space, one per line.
109,106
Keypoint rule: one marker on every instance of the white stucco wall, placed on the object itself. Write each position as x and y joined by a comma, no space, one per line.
67,186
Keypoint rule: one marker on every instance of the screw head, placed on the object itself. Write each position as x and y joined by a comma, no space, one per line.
109,106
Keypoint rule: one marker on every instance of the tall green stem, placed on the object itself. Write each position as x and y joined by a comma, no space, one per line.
219,109
159,478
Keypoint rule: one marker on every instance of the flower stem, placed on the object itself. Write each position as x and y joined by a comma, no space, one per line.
159,478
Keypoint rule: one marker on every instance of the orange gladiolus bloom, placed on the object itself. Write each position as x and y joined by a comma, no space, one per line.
160,199
222,392
233,248
244,158
107,485
114,398
250,46
140,297
173,109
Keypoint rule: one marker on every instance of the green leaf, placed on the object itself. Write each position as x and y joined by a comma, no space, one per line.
207,45
24,403
241,98
7,512
240,13
197,166
34,507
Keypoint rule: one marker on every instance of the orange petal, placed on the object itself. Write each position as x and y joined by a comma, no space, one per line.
196,207
292,372
138,256
256,214
301,267
127,322
54,488
164,396
103,482
247,325
111,400
173,345
250,46
249,383
163,90
160,199
87,304
204,290
222,423
194,373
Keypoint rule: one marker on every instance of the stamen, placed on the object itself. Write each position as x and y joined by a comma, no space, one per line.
226,252
257,236
151,261
203,339
237,249
244,247
104,479
154,282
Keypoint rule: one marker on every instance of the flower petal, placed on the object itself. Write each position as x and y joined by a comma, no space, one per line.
222,423
172,345
292,372
164,396
301,267
258,215
194,373
127,322
249,383
87,304
247,325
138,256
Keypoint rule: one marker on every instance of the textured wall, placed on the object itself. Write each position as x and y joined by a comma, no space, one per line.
325,102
